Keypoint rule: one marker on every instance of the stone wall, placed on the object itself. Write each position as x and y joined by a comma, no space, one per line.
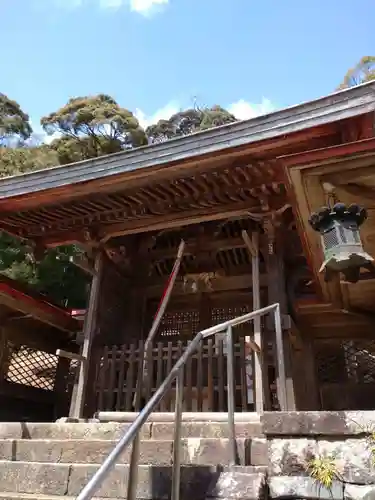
294,438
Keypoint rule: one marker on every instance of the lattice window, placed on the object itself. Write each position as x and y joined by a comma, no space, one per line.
31,367
221,314
179,324
346,361
360,360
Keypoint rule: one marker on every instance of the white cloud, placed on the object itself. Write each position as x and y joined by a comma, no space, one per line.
241,109
66,4
161,114
39,136
145,7
111,4
244,110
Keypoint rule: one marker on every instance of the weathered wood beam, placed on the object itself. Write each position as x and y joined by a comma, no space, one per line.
362,192
154,223
26,333
228,283
342,178
34,310
208,245
175,220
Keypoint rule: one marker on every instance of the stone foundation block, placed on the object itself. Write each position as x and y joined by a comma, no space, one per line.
22,477
290,456
213,451
114,486
353,457
258,451
355,492
110,431
318,423
238,485
297,487
165,430
79,451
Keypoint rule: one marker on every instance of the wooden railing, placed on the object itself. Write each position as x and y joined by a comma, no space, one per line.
205,376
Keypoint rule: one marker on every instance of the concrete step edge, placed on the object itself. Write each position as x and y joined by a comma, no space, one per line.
244,469
32,496
115,430
188,417
115,441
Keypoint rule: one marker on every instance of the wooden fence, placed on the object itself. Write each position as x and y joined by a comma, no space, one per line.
205,376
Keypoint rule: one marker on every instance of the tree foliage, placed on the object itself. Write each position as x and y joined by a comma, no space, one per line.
14,123
363,71
189,121
92,126
19,160
86,127
54,276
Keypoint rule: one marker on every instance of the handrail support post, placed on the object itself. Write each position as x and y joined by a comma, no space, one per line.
176,468
231,396
282,390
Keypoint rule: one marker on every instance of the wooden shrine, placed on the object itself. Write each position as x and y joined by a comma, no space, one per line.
217,190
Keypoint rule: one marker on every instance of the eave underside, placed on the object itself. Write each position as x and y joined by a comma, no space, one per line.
230,185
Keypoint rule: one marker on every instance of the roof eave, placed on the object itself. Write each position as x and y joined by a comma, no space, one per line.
338,106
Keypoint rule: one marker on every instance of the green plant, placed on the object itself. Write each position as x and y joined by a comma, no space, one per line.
323,470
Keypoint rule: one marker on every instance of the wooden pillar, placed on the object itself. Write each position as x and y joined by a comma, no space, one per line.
277,294
260,377
4,352
312,401
89,329
60,393
304,372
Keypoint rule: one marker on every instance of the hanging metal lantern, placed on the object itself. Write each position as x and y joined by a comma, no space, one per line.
341,241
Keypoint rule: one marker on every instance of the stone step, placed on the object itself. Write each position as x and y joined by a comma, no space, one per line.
211,451
114,430
154,482
29,496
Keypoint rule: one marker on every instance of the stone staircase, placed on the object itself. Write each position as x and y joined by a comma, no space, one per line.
54,461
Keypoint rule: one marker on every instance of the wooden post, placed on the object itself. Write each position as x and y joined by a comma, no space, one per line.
60,393
306,384
259,376
88,337
277,294
4,352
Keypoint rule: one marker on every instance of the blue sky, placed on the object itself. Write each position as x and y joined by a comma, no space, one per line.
154,57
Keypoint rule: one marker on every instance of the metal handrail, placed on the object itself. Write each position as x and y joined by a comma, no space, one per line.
177,373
